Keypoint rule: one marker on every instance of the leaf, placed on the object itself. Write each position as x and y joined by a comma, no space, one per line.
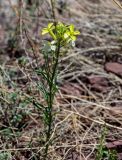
43,89
38,105
46,48
42,73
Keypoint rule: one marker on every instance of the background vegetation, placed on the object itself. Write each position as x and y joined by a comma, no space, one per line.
88,104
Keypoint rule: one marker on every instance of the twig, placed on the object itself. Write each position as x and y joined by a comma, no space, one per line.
118,3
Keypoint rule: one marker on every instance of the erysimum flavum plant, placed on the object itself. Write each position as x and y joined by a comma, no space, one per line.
61,36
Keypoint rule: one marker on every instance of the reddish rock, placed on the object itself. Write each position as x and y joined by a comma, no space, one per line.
114,144
98,80
72,89
119,156
114,67
99,84
99,88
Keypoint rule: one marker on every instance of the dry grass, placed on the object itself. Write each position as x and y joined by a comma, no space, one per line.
81,113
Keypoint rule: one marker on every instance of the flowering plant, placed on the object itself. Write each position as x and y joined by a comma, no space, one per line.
61,35
61,32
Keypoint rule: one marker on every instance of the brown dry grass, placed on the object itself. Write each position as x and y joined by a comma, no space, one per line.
81,117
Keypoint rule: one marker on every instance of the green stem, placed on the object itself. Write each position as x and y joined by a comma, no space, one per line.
50,101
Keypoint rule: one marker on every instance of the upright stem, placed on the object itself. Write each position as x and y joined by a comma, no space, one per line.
50,100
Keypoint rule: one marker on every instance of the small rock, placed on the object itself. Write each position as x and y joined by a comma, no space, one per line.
119,156
98,84
99,88
114,67
72,89
98,80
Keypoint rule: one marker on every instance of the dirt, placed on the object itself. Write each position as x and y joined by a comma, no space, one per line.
90,84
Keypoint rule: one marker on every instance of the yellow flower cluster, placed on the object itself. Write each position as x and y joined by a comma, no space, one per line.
61,32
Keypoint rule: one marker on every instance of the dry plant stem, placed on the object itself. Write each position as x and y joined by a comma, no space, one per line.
31,43
118,3
53,10
21,19
50,100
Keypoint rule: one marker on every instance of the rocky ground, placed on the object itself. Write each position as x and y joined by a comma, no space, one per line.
90,80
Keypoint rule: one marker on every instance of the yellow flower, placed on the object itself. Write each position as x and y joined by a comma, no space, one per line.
50,27
61,32
71,33
49,30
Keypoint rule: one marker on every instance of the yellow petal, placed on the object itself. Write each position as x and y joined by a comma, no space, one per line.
76,33
44,31
73,38
71,28
50,25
